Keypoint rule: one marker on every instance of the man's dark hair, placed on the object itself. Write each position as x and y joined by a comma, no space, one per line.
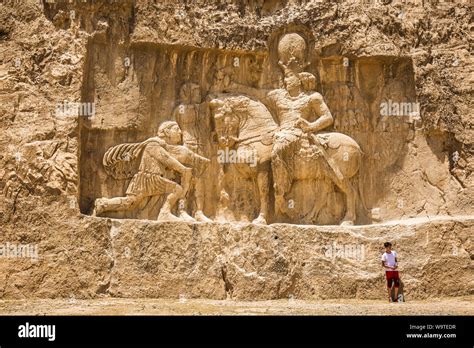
387,244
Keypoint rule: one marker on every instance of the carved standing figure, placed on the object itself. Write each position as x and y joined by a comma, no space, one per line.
189,115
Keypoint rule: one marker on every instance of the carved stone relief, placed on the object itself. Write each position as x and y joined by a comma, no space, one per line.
263,149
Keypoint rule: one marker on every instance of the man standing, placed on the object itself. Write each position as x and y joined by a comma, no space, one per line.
390,263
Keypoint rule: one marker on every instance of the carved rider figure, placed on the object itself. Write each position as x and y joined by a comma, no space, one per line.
299,109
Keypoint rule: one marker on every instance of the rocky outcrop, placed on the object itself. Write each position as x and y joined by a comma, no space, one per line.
94,257
129,59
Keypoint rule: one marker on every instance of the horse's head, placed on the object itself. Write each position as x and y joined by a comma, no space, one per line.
227,122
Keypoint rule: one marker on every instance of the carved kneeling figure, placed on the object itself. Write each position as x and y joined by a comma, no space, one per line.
157,156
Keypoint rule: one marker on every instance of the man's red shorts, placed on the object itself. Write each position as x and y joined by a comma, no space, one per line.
392,278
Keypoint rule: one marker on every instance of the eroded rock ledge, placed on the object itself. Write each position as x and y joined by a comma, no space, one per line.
133,258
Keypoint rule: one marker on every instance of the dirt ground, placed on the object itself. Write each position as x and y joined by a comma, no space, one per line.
118,306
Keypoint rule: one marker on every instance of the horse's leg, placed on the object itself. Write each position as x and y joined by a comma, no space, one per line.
263,191
340,166
346,187
350,216
349,166
223,213
318,205
282,184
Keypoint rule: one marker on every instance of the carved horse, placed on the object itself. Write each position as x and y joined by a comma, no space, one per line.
243,122
246,127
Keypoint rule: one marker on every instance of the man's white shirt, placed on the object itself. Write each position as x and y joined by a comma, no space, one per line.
389,260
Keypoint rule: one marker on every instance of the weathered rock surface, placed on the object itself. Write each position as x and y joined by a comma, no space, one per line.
130,57
130,258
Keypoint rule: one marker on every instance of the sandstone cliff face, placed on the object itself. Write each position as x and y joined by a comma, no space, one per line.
90,257
129,59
